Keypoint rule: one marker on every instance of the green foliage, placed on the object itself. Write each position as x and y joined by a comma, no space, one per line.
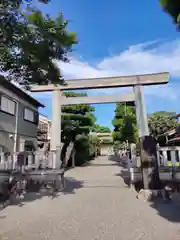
172,7
100,129
94,145
77,120
91,116
164,113
82,120
31,43
82,149
87,147
125,124
161,122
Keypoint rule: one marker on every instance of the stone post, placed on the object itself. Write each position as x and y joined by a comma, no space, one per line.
149,164
58,158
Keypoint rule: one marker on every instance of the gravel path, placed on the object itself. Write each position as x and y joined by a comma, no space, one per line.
97,205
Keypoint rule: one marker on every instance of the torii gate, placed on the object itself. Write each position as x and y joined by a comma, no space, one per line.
135,81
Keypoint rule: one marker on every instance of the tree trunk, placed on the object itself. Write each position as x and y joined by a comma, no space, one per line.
63,153
73,158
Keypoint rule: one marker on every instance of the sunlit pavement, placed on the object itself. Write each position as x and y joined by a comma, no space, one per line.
96,205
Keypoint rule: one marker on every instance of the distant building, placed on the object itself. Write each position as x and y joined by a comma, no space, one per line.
18,118
106,147
44,132
105,136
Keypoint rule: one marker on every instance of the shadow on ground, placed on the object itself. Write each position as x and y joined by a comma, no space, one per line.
114,158
124,175
118,161
168,209
72,185
37,192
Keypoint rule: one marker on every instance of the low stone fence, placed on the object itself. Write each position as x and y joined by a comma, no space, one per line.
168,160
27,160
168,156
171,174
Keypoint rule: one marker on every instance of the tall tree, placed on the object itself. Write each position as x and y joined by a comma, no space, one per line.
172,7
31,43
77,120
161,122
125,124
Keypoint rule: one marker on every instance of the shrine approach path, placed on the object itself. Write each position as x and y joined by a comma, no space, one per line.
95,205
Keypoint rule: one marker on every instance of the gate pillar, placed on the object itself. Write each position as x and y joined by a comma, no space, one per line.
56,120
150,171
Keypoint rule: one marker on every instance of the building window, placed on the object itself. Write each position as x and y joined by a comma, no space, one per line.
31,116
7,105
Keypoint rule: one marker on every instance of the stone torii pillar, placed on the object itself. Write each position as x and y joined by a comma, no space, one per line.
141,115
57,99
56,120
150,170
142,124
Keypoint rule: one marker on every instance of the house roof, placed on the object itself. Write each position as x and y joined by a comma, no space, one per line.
19,92
168,133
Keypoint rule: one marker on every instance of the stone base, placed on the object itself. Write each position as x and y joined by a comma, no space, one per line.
147,194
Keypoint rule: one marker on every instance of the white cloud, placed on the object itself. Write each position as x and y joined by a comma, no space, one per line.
137,59
148,57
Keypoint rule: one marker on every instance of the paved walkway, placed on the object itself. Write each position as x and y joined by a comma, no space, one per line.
97,205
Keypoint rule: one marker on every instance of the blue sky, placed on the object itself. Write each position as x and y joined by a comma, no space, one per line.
120,37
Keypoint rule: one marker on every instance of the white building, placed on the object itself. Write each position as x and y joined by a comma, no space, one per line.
106,140
44,132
